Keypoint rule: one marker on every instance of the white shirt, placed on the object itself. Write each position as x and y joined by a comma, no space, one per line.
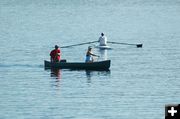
102,40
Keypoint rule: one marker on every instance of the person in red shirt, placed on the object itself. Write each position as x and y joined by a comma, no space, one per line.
55,54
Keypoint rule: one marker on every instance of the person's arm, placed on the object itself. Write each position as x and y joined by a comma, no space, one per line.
51,59
99,39
93,54
58,53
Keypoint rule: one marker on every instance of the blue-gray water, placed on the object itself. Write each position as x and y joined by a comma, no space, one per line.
140,81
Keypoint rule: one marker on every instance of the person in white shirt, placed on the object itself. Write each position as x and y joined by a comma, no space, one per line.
102,40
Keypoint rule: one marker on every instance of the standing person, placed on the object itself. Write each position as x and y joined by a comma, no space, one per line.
102,40
89,55
55,54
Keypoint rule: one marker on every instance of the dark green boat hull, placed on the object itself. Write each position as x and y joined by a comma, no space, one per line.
100,65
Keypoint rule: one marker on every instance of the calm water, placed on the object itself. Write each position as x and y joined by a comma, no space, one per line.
140,81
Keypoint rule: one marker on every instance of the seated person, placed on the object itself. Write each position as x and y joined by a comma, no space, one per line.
102,40
89,55
55,54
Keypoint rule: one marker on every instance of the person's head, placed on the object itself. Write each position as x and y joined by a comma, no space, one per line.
89,48
56,46
102,34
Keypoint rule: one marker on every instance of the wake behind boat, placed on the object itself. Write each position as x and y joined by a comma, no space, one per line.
98,65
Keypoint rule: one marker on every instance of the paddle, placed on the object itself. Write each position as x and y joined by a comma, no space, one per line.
137,45
78,44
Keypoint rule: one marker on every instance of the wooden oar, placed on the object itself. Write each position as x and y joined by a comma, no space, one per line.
137,45
78,44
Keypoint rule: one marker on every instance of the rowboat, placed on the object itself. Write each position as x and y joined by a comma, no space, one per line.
97,65
103,47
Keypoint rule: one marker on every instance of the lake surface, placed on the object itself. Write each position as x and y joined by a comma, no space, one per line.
141,81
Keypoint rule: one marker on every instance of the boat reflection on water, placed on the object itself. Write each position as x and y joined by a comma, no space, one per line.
91,73
56,73
103,54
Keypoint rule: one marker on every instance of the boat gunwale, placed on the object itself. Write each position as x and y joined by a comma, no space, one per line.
98,65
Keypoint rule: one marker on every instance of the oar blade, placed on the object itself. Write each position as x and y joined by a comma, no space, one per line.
139,45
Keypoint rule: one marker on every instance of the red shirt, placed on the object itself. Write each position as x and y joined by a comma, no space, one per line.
54,55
